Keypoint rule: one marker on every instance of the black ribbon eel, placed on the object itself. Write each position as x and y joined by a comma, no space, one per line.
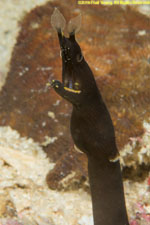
91,127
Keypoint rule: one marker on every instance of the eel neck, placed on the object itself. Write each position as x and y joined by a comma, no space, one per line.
107,193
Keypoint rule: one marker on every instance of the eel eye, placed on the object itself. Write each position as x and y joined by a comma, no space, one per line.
79,57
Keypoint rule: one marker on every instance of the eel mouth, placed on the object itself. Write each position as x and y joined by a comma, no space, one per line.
71,85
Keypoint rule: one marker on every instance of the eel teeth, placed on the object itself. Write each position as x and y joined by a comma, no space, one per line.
72,90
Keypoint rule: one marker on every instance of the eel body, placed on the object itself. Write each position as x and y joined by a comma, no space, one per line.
92,131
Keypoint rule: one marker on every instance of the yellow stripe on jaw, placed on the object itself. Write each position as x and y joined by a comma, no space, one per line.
72,90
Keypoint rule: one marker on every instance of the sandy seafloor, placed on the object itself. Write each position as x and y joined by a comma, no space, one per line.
24,196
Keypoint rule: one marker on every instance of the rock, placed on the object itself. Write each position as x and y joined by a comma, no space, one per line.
7,208
3,204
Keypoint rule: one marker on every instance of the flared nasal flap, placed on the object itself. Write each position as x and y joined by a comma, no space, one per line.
58,21
74,25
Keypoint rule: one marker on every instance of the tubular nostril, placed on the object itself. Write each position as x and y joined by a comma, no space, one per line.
58,21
